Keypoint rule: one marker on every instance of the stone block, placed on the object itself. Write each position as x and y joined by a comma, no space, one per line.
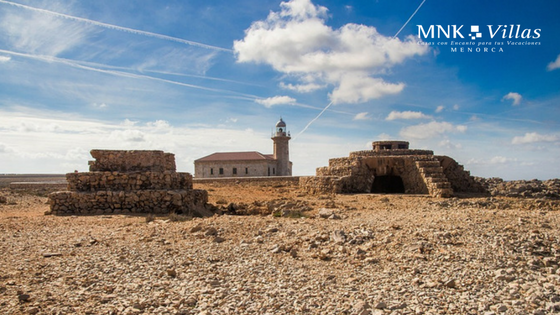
127,182
131,161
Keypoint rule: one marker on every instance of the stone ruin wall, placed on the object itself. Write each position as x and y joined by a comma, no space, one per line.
129,202
129,182
131,161
320,184
404,152
421,173
460,179
399,166
354,175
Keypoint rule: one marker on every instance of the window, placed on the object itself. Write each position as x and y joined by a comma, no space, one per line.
221,171
273,171
269,171
234,171
246,170
402,146
211,171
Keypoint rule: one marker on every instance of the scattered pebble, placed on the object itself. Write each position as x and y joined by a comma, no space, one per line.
389,255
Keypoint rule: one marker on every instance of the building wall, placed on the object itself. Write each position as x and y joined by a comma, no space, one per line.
254,168
267,181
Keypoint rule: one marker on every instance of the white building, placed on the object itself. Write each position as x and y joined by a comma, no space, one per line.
252,163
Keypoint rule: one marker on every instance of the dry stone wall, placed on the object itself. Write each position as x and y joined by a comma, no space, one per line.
402,170
460,179
128,182
283,181
94,181
320,184
130,202
406,152
131,161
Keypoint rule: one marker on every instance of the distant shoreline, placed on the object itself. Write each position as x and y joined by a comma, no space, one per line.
6,179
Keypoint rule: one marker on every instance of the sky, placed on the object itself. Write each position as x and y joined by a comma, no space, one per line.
476,80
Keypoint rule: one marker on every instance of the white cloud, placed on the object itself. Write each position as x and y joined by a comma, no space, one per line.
383,137
515,97
159,125
406,115
51,151
110,26
127,122
430,130
166,59
356,89
56,148
554,64
276,100
302,88
5,58
500,160
495,160
533,137
27,127
449,145
99,106
362,116
440,109
129,135
296,41
456,107
42,34
77,153
4,148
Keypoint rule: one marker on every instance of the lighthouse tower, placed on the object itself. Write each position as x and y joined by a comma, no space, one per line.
282,150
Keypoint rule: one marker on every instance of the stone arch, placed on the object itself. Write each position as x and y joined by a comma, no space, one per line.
388,184
385,175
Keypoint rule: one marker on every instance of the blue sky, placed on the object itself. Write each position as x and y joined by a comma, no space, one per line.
197,77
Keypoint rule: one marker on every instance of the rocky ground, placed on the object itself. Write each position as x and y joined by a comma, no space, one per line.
547,189
297,254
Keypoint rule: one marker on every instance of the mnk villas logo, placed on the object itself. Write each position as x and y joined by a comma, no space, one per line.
476,38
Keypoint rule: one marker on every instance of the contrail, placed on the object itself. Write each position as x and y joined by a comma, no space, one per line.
75,64
113,70
313,120
119,28
410,18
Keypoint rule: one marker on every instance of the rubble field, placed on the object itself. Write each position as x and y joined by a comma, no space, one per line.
276,250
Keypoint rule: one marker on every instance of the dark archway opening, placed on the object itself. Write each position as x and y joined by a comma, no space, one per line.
387,184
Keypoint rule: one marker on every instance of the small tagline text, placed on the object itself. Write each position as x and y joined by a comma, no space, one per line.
478,46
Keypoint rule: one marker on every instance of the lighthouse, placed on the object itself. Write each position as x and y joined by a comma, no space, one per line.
282,149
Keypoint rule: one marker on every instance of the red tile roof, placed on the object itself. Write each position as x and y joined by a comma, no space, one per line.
238,156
